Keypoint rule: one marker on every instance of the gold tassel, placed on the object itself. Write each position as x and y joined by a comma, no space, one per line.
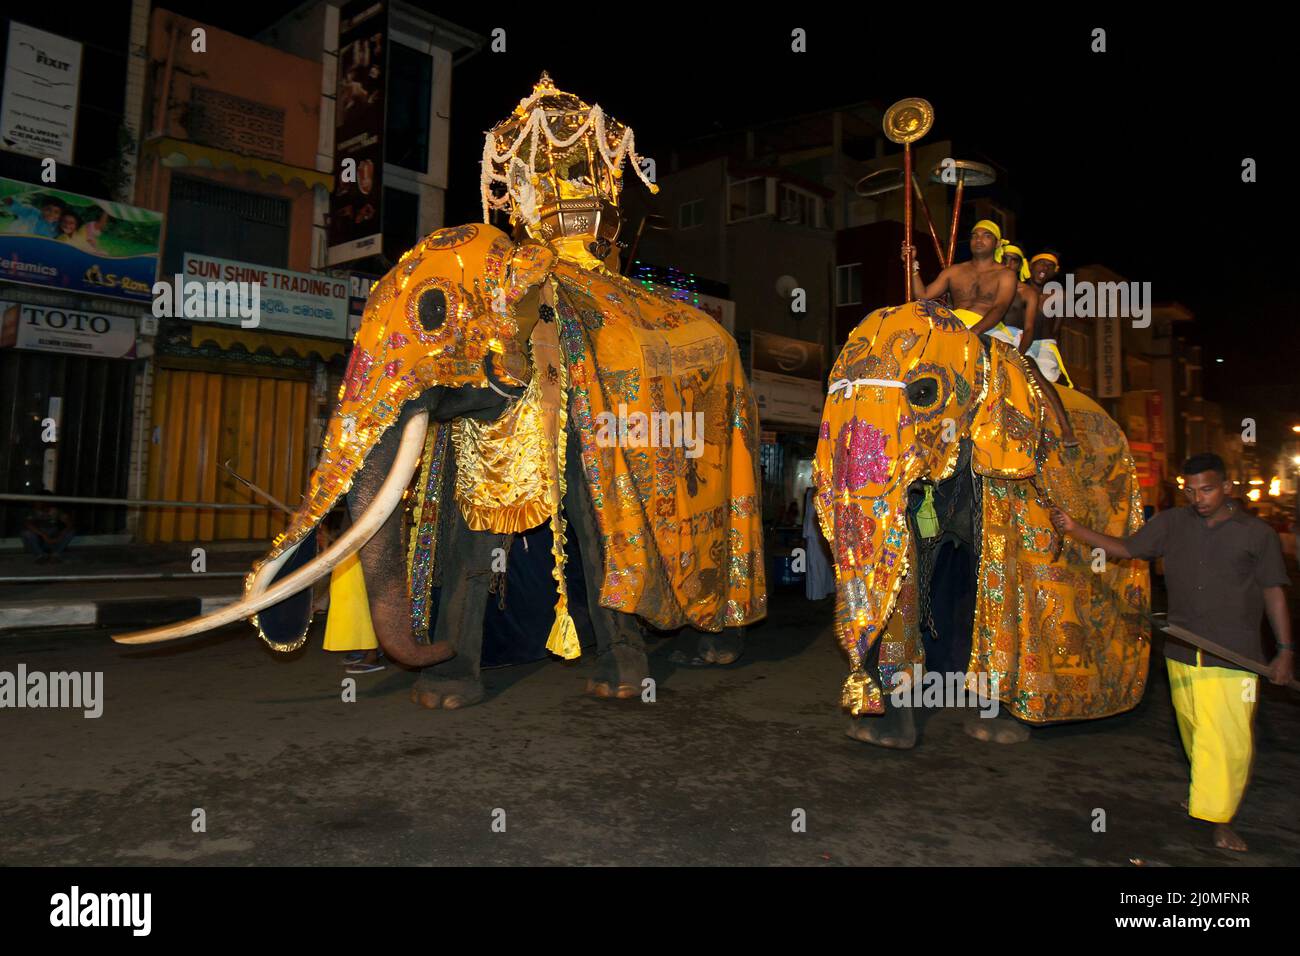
861,695
549,363
563,639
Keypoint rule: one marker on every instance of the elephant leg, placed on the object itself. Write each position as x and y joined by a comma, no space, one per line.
896,727
466,579
724,647
1000,729
621,663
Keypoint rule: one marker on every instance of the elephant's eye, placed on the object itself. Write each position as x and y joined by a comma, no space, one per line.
433,309
923,392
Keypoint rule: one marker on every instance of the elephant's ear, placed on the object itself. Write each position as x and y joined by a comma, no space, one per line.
529,264
1008,423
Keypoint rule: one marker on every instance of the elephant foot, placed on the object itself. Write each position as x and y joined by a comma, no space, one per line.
612,690
446,694
997,730
619,673
724,648
894,729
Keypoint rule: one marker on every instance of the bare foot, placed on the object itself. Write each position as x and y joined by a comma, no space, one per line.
997,730
1225,838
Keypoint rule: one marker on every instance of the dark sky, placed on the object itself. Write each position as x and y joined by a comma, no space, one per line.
1131,157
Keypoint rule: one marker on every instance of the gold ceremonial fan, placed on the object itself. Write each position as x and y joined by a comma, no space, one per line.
908,120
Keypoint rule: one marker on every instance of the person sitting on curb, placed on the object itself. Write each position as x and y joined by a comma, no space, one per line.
47,531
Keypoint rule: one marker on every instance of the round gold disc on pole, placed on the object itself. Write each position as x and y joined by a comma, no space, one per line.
908,120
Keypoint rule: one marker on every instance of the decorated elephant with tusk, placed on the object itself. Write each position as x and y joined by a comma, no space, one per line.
918,409
498,382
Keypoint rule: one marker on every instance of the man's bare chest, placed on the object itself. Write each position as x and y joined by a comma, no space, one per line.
975,288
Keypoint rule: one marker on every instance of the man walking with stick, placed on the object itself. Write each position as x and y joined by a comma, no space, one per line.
1223,569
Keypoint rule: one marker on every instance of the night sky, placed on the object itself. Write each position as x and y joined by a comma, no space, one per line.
1131,158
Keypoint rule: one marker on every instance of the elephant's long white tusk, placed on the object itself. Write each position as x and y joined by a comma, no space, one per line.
351,541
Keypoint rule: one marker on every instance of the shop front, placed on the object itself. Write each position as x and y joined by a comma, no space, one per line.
75,279
240,401
788,379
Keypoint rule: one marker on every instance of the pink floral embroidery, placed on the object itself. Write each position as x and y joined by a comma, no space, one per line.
359,364
860,455
853,533
397,340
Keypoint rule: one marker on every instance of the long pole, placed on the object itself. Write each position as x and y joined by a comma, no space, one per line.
956,215
907,219
137,502
929,220
1218,650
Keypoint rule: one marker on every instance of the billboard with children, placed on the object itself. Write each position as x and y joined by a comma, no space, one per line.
49,237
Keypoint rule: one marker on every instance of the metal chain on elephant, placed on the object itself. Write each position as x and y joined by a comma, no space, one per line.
497,585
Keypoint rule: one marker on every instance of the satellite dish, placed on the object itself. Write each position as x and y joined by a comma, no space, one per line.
785,286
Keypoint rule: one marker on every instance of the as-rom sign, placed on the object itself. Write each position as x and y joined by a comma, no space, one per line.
52,329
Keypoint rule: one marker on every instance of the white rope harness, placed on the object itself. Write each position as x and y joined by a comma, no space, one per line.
849,385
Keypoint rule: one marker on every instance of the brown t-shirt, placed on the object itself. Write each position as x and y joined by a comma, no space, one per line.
1216,578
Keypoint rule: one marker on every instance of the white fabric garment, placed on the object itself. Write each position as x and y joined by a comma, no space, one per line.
1044,352
1007,333
819,580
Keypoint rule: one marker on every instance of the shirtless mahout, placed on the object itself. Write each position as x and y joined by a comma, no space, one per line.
982,291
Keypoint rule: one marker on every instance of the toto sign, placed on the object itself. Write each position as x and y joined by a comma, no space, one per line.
49,329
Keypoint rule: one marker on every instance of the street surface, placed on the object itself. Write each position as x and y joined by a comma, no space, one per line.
712,772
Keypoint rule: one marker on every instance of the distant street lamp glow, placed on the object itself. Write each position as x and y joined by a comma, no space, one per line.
1253,494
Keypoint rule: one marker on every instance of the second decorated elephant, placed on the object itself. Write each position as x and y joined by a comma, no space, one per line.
916,405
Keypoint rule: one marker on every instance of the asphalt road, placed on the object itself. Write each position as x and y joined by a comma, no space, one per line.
712,772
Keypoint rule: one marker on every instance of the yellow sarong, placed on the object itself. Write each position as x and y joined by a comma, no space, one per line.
1000,331
348,626
1215,708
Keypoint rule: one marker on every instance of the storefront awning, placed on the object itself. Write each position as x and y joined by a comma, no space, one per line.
252,342
178,152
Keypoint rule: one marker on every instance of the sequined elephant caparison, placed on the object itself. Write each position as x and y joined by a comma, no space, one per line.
481,389
1058,638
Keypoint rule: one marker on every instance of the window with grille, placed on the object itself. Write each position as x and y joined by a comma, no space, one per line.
209,219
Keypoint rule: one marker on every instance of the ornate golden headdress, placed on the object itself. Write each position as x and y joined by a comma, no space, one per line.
561,162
